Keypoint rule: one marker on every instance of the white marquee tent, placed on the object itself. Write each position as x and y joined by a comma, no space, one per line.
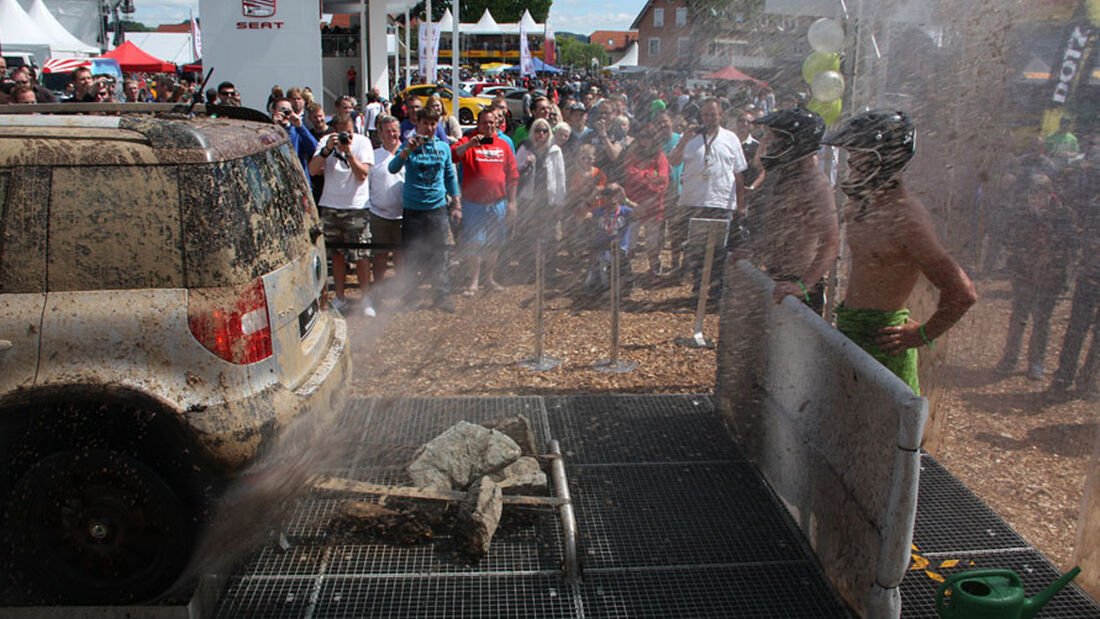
20,32
63,43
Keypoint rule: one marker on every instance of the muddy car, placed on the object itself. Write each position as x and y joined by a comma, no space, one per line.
162,293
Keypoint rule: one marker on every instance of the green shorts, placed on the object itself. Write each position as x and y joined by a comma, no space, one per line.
862,325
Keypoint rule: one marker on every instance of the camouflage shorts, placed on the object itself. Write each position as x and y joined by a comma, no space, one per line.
346,226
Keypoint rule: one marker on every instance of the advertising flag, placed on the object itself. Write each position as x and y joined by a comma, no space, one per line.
526,67
196,38
422,47
550,52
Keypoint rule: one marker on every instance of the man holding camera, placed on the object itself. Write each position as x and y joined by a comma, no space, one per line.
712,182
429,179
301,140
345,158
489,180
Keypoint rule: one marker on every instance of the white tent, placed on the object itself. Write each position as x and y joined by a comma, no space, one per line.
628,61
174,47
485,25
62,42
17,28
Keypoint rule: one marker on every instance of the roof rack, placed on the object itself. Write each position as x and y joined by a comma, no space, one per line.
161,123
178,110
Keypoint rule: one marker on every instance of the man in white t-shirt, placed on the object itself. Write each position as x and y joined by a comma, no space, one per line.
712,184
386,202
345,158
371,113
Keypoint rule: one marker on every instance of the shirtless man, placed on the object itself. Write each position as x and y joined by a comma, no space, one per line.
799,240
892,241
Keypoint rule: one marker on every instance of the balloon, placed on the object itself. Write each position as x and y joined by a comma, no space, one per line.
817,62
827,86
826,36
829,110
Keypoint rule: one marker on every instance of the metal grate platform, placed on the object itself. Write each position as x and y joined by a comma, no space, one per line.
687,514
954,526
951,518
672,520
673,523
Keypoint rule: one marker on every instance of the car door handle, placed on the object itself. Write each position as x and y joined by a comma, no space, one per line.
5,345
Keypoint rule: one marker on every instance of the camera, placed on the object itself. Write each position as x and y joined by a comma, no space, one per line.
486,139
344,137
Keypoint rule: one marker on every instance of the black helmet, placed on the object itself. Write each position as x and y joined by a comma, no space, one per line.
886,133
798,134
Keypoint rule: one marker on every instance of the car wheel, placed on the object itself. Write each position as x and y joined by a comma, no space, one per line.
96,527
465,116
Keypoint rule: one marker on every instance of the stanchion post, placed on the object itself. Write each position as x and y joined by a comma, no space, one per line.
540,362
713,227
614,364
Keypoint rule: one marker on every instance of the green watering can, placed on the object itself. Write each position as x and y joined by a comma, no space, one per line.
993,594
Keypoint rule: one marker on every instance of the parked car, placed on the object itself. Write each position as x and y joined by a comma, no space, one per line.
162,316
514,97
479,89
468,105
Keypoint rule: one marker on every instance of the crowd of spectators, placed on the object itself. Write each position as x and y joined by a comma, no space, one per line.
595,166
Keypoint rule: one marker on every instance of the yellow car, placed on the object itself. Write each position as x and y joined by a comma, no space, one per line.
468,105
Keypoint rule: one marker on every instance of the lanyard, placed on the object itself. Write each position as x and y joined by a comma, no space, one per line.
706,148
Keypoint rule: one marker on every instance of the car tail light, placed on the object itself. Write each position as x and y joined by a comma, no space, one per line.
232,323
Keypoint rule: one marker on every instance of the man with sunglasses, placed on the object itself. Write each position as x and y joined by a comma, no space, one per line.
301,140
228,94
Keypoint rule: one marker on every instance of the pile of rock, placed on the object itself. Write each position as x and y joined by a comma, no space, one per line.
460,479
486,461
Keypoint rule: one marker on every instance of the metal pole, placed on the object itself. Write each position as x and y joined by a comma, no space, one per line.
614,301
455,110
614,364
408,49
697,340
540,362
568,519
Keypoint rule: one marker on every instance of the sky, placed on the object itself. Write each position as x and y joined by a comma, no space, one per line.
580,16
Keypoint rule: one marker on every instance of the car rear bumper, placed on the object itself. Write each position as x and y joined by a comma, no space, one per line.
247,428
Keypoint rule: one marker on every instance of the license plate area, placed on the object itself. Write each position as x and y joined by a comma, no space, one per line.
307,319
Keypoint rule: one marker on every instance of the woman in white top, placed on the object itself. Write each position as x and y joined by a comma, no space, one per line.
541,194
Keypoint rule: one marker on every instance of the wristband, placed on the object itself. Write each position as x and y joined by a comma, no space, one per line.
805,293
925,337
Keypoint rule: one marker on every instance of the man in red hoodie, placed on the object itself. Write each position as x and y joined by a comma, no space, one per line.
489,180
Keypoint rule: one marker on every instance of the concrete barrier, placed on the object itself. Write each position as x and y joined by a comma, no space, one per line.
834,432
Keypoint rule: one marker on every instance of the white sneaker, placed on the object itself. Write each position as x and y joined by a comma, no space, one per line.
368,308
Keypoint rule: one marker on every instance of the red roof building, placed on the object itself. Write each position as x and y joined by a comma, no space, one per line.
614,41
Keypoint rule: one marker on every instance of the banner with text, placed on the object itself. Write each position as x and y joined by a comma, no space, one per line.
526,67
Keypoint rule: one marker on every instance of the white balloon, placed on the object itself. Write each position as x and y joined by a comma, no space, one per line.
828,86
826,36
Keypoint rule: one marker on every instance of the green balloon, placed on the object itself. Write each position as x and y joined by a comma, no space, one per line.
817,62
829,110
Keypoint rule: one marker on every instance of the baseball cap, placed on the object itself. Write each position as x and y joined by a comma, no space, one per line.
577,105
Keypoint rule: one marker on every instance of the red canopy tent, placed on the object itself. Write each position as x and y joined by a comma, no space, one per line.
132,59
194,67
732,74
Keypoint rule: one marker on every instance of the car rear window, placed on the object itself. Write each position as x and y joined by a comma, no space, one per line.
114,227
244,217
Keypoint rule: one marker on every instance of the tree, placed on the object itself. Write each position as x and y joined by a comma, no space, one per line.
130,26
572,52
504,11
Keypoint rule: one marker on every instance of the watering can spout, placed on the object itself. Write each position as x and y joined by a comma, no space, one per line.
1034,604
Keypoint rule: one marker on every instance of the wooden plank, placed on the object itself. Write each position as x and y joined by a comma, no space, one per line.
428,494
1087,551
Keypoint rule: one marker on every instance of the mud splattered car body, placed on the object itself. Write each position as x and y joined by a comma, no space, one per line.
162,288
